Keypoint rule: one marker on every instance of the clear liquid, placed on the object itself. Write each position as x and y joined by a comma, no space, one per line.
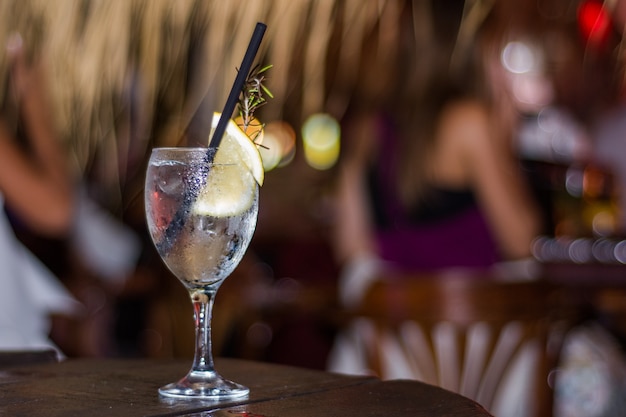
206,249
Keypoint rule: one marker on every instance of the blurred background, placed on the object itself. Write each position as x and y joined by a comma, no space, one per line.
128,75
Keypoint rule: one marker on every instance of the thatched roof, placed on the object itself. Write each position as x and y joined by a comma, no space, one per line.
130,74
150,62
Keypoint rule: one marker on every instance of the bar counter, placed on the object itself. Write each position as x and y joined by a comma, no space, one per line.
92,387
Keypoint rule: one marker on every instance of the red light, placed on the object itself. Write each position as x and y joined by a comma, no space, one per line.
594,23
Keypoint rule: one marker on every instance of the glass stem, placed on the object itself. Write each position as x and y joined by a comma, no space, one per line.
202,309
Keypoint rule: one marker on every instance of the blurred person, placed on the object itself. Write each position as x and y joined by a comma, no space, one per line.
429,182
37,189
432,183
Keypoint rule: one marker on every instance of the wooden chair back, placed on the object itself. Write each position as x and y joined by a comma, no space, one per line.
465,334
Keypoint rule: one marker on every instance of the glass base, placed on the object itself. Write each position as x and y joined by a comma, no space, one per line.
203,385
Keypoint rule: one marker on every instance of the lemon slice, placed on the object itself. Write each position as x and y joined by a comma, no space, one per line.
236,147
232,181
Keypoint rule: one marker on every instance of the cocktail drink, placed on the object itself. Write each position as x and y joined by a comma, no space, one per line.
201,210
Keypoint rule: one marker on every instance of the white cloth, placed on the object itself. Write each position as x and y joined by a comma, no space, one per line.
29,293
107,246
407,354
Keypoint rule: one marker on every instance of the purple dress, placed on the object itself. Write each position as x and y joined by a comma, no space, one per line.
447,230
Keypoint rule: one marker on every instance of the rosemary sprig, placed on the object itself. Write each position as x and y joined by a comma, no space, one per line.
253,96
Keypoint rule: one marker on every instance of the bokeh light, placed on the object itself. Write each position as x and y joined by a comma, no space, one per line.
279,145
530,87
594,23
519,58
321,136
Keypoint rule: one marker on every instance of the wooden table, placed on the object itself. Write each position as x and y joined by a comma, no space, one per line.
89,387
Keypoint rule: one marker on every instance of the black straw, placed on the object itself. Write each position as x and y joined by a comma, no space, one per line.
242,75
191,195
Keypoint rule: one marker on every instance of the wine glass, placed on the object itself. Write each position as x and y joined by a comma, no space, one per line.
201,217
